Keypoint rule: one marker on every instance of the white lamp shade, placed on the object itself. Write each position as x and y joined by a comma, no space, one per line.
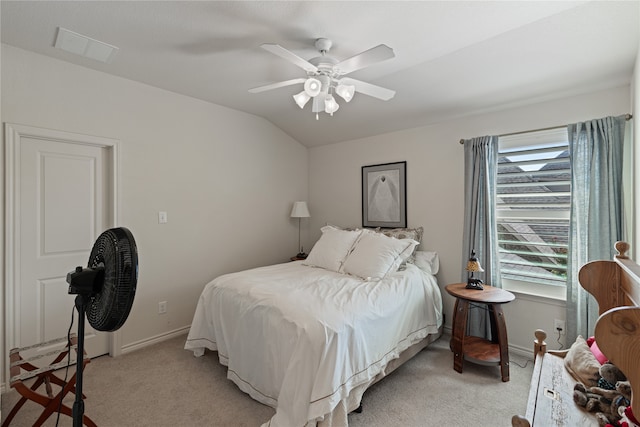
301,98
300,210
346,92
312,86
330,105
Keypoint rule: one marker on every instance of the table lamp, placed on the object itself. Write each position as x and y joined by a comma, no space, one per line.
473,265
300,210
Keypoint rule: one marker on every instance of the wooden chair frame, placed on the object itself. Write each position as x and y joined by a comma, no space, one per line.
46,376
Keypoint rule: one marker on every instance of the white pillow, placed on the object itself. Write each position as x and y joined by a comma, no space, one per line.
375,255
427,261
332,248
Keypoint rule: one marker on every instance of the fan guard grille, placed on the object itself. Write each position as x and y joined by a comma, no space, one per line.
116,251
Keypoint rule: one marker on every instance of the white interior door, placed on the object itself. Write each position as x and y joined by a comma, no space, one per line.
62,201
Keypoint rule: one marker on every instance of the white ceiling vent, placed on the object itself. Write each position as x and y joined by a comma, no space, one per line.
84,46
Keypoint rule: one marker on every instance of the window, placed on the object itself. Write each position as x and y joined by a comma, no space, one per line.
532,211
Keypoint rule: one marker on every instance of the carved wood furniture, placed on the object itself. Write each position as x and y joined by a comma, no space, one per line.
616,287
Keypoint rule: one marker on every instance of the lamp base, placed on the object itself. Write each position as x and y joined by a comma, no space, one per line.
301,255
475,284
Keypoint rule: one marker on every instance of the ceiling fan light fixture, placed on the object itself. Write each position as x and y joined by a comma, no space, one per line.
312,86
301,98
346,92
330,105
324,75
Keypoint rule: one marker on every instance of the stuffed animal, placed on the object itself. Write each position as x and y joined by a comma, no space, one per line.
613,391
602,402
609,376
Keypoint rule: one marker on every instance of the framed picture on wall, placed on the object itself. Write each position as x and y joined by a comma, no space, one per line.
384,195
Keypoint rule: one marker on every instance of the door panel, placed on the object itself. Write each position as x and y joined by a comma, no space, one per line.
69,203
63,207
54,301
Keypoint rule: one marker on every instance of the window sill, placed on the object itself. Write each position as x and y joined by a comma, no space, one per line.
536,290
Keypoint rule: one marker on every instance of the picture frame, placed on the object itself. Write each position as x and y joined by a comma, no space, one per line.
384,195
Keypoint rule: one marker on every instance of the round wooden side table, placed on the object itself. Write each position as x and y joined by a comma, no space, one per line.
476,349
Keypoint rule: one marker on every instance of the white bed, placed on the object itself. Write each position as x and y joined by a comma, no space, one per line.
308,341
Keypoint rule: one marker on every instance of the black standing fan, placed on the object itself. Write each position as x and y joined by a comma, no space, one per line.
105,292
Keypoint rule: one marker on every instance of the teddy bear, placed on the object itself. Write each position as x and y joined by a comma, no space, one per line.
612,392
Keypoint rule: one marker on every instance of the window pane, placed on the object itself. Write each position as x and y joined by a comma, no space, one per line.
532,209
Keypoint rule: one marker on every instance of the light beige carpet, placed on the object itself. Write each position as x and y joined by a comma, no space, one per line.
164,385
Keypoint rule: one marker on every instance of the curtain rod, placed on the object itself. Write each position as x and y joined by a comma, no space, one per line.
626,117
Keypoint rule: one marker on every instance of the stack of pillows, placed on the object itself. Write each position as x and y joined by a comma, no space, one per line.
368,254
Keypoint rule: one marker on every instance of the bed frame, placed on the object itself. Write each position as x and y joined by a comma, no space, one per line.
616,287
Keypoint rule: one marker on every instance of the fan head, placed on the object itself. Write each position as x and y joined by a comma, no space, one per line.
115,250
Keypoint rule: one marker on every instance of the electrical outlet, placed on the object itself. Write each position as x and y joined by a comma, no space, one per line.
162,307
558,325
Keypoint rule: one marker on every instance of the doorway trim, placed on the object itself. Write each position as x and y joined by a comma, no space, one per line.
13,137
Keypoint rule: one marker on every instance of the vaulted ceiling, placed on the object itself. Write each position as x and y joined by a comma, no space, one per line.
452,58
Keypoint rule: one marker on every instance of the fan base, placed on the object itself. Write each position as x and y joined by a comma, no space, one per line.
323,45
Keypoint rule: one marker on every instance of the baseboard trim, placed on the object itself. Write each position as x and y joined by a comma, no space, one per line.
155,339
521,351
447,330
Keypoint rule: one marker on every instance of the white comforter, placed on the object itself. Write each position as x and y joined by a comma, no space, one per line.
299,338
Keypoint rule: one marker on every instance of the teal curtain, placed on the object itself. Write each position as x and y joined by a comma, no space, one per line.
480,229
597,210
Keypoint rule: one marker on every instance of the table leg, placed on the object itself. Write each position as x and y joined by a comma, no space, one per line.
460,315
499,332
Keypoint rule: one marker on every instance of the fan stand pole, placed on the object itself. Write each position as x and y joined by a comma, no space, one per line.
78,404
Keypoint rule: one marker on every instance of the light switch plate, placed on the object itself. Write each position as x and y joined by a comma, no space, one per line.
162,217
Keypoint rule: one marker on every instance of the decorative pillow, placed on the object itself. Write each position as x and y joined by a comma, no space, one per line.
427,261
332,248
404,233
375,255
354,228
582,364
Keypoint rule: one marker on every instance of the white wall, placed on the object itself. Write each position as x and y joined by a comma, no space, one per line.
435,173
227,179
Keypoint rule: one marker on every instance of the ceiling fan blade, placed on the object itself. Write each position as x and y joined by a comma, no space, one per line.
376,54
289,56
276,85
369,89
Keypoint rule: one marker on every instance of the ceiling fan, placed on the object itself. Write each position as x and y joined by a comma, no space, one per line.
325,75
